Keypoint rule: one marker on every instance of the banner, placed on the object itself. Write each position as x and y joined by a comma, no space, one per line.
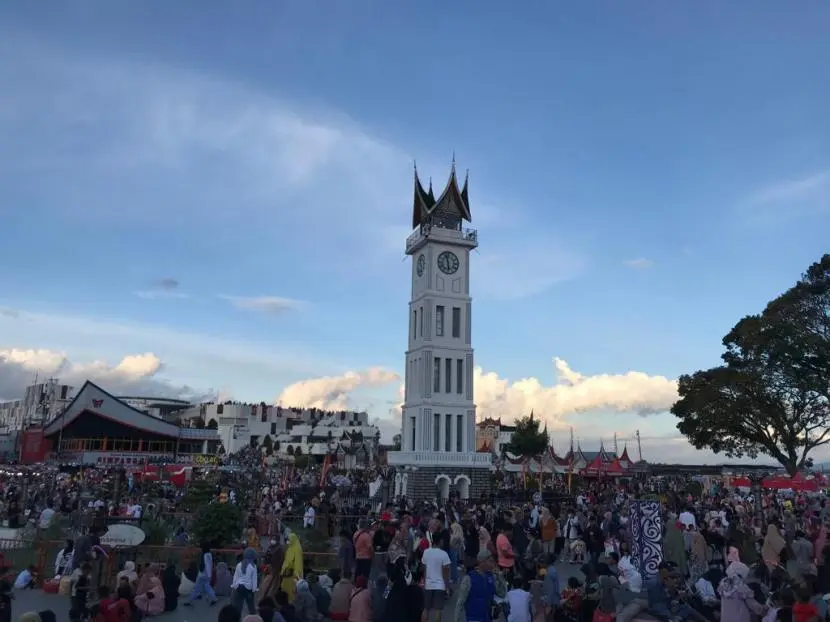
33,446
646,537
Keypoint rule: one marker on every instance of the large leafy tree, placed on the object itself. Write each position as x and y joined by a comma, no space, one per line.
528,440
771,395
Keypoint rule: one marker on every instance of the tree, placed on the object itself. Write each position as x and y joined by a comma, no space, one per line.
217,525
527,440
268,445
771,395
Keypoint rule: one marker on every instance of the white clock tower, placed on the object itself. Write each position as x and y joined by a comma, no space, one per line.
438,447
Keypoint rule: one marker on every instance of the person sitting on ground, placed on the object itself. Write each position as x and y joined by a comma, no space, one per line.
27,579
360,604
128,573
341,595
321,596
268,610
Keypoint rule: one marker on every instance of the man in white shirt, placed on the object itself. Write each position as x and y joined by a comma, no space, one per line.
436,565
135,510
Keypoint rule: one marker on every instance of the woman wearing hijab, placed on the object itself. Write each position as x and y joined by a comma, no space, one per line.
292,566
223,580
151,601
674,549
698,554
244,584
305,605
275,555
144,583
738,602
170,583
64,559
128,573
774,545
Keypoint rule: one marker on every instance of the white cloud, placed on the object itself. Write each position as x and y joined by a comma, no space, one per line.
228,159
788,199
136,374
334,392
631,392
640,263
812,187
242,366
270,305
157,294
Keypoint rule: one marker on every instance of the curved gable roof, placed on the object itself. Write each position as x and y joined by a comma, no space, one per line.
92,398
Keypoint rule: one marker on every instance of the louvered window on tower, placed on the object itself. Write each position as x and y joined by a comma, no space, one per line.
439,321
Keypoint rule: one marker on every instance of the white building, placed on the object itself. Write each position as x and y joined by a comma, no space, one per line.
438,431
40,403
292,431
161,407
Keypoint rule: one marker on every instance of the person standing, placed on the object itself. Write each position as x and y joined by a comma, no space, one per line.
477,590
363,549
203,579
436,563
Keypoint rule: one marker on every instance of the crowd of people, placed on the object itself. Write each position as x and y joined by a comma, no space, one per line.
727,554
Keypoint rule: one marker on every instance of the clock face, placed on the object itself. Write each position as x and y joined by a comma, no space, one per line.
422,263
448,262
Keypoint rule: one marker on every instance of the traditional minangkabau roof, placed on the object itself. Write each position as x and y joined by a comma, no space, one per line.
93,399
624,459
453,200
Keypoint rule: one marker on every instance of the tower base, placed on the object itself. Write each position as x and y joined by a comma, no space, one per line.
426,483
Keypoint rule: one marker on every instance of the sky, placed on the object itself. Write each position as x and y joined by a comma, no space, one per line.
205,201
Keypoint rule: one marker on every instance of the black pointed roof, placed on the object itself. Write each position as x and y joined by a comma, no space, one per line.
453,199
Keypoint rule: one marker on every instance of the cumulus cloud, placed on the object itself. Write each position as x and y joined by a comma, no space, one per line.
135,374
573,392
269,305
334,392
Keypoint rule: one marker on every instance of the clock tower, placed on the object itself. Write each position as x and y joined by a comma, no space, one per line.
438,448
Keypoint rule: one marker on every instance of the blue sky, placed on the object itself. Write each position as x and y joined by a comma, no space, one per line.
641,174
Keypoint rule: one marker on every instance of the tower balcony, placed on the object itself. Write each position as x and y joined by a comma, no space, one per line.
461,236
439,458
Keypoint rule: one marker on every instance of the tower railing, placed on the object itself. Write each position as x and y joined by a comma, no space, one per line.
462,234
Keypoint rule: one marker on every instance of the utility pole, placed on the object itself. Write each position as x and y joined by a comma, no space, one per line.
639,446
616,449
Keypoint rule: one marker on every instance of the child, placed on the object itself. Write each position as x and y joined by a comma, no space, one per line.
804,610
518,602
572,599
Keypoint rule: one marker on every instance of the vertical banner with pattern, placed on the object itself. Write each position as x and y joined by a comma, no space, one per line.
646,537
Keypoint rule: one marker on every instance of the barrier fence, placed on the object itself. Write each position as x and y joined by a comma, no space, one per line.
15,555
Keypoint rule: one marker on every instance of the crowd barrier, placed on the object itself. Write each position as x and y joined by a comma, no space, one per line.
15,555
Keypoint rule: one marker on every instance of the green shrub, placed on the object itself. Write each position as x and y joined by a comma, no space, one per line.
217,524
